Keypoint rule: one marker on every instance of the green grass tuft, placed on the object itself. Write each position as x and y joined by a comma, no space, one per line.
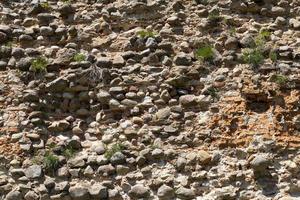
254,57
66,1
205,53
39,65
265,34
273,56
113,149
79,57
51,161
279,79
146,34
213,92
215,16
69,152
45,5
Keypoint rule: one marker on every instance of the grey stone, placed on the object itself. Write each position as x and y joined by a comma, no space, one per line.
180,163
106,170
103,96
98,147
129,103
49,183
63,172
3,65
76,162
5,29
3,37
157,154
104,62
83,112
114,194
247,41
79,192
88,171
165,192
31,195
98,191
14,195
57,85
261,162
34,171
296,121
62,186
66,10
139,191
163,113
59,126
24,64
185,193
118,158
25,38
46,31
231,43
183,59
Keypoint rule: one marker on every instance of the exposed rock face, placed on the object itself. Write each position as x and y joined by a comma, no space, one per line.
149,99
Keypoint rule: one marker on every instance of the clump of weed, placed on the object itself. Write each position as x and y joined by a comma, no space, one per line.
146,34
69,152
118,147
273,56
279,79
39,65
50,162
66,1
205,53
254,56
45,5
79,57
213,92
265,34
232,31
214,16
8,44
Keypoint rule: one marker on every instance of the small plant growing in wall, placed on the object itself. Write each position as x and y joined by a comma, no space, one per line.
118,147
45,5
214,16
66,1
79,57
279,79
255,55
232,31
39,65
69,152
205,53
50,162
273,56
213,92
146,34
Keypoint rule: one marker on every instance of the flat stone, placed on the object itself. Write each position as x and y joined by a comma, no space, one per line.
185,193
34,171
79,193
165,192
139,191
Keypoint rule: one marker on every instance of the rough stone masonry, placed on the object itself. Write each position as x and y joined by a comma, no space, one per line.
149,99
